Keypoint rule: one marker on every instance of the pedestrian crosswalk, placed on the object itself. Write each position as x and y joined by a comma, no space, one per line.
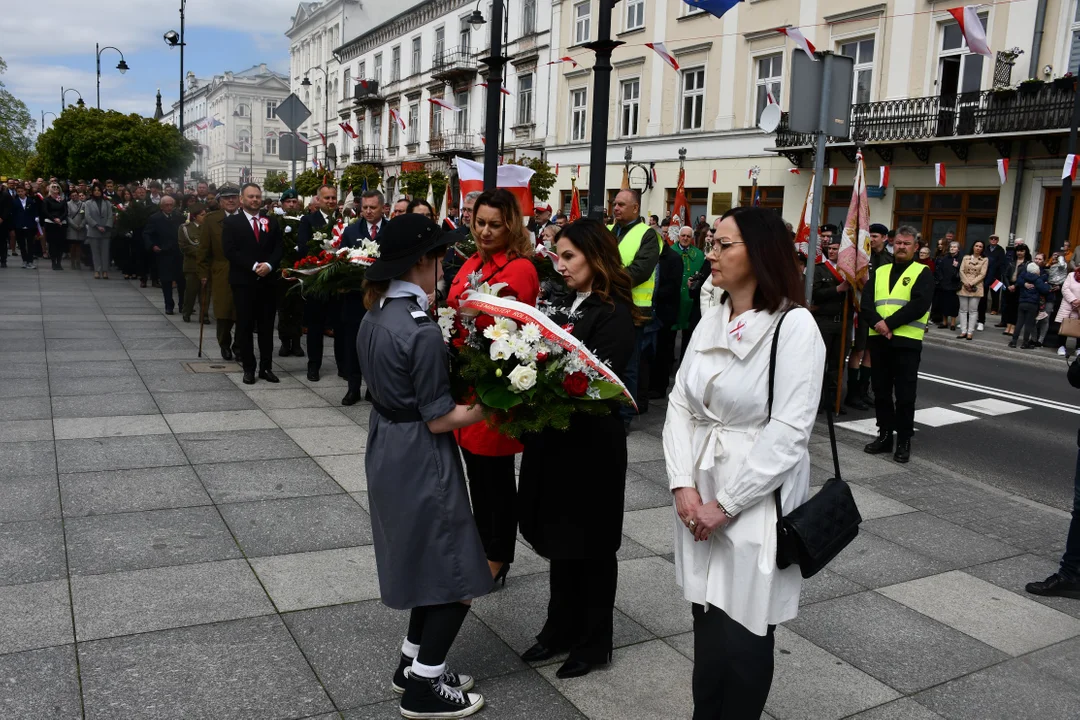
936,417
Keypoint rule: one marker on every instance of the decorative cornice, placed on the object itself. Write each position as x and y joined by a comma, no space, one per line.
865,13
398,26
629,62
761,34
699,47
575,74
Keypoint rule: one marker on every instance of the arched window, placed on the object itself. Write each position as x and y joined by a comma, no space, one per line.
242,110
271,143
243,141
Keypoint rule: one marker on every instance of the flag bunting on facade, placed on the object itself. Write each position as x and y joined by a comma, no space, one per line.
799,39
883,180
793,171
713,177
348,128
556,169
1003,169
854,258
321,137
716,8
570,60
832,176
939,174
396,117
972,28
443,104
662,51
1069,170
484,85
214,122
300,137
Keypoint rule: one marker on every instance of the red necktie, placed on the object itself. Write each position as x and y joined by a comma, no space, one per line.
255,227
374,231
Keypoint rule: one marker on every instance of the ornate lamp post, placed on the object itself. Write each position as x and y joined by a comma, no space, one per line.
496,61
122,66
63,94
326,100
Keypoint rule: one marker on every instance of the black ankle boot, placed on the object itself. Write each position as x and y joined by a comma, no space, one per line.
903,450
853,398
882,444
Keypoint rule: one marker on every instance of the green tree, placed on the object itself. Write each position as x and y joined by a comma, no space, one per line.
15,130
439,181
276,182
415,183
544,179
354,175
308,182
92,143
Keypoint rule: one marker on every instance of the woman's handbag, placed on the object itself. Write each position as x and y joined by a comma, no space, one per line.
1070,327
815,532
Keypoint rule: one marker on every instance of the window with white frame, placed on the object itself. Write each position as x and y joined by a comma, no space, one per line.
635,14
769,81
959,69
525,99
465,35
579,114
440,42
416,45
241,110
393,131
693,98
395,63
243,141
361,70
271,143
690,8
582,21
528,16
1074,47
862,52
436,121
271,106
376,75
630,100
461,99
347,86
376,128
413,130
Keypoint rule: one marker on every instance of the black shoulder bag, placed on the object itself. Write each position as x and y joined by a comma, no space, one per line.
814,533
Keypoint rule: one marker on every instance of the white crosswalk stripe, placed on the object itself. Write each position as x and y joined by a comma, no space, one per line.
940,417
992,407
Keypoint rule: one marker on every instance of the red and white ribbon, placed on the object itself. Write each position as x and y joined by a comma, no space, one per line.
800,40
1069,169
662,51
521,313
883,181
1003,169
939,174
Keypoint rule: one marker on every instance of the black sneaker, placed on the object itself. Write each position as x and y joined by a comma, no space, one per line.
1055,586
461,683
426,698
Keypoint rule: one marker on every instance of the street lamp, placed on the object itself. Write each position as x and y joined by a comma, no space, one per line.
63,94
43,114
174,40
306,82
122,66
251,141
496,61
602,46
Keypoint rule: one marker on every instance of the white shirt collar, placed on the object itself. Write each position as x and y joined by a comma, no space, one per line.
250,217
403,289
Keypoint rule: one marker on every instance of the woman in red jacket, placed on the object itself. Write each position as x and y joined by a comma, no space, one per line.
503,252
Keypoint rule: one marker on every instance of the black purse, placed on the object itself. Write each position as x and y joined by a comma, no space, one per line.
815,532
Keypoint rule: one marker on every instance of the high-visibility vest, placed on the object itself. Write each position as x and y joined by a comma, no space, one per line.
888,300
628,247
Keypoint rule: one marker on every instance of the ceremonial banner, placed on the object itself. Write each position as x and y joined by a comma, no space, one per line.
681,208
854,260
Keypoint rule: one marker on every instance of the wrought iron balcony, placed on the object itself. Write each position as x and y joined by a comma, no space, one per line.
368,92
370,154
453,143
453,64
1029,108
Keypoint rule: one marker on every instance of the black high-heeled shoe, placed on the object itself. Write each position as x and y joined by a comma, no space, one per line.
501,575
574,667
538,653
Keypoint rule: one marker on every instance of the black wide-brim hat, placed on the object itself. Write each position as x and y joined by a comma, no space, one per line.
402,242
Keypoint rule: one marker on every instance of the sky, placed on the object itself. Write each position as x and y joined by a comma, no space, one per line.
51,45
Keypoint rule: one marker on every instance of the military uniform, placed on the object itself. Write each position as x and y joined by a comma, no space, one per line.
290,304
189,247
213,266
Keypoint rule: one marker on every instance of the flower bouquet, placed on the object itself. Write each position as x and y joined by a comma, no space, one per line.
527,372
333,269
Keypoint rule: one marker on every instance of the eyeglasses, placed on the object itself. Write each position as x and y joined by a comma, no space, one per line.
722,243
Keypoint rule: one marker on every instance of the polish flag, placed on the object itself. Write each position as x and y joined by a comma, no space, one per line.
363,83
883,180
997,285
556,168
654,177
749,174
799,39
972,28
321,137
833,176
1003,169
348,128
504,91
396,117
570,60
443,104
1069,170
793,171
514,178
664,54
713,177
939,174
303,140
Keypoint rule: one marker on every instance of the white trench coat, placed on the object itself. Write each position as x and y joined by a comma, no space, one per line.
717,440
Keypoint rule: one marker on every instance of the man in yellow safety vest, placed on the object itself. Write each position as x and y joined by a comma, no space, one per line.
896,307
639,247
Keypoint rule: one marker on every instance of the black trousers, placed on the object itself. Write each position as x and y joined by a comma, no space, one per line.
25,238
895,371
350,314
834,355
319,315
56,238
733,667
290,313
255,307
581,609
166,291
1025,321
664,360
493,489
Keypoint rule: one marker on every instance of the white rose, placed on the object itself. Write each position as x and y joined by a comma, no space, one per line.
522,377
500,350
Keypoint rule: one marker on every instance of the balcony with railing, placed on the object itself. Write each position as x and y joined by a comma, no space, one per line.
454,64
368,93
1030,108
370,154
453,143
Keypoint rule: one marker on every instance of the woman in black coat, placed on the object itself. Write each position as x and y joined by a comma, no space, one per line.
54,220
1011,302
571,485
947,283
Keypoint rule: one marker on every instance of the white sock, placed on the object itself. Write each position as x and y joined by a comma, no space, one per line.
409,650
429,672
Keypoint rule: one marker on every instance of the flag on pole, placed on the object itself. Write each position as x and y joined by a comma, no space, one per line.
443,104
556,169
1003,169
681,208
832,176
749,173
662,51
883,180
1069,170
713,7
654,177
567,59
799,39
997,285
214,122
756,202
972,28
714,177
575,202
348,128
321,137
854,258
802,234
514,178
625,185
939,174
303,140
396,117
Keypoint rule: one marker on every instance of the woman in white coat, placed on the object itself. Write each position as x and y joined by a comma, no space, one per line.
725,456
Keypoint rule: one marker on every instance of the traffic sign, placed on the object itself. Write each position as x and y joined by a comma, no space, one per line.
292,111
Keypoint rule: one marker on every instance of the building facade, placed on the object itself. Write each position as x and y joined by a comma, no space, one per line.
231,119
920,97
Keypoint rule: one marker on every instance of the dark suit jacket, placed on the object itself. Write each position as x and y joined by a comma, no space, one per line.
162,231
24,219
358,232
242,250
309,224
6,200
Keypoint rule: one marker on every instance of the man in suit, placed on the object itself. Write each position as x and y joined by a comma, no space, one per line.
352,309
7,201
541,219
213,267
253,246
319,314
161,238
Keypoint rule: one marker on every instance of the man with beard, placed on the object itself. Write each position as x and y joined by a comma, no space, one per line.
352,304
290,304
161,240
213,267
319,315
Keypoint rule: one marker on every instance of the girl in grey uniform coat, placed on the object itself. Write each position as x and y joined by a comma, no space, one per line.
427,549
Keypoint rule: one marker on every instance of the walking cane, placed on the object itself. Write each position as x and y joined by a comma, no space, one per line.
204,300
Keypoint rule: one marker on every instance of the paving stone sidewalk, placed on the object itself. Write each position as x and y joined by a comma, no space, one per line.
174,544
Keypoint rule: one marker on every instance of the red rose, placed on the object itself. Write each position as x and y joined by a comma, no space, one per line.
458,342
569,327
541,356
483,322
575,384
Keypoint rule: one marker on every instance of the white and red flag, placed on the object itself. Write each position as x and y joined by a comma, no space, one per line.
664,54
854,258
971,25
443,104
883,180
1069,169
567,59
939,174
503,90
799,39
793,171
556,168
802,234
832,177
1003,169
348,128
713,177
321,137
396,117
514,178
997,285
